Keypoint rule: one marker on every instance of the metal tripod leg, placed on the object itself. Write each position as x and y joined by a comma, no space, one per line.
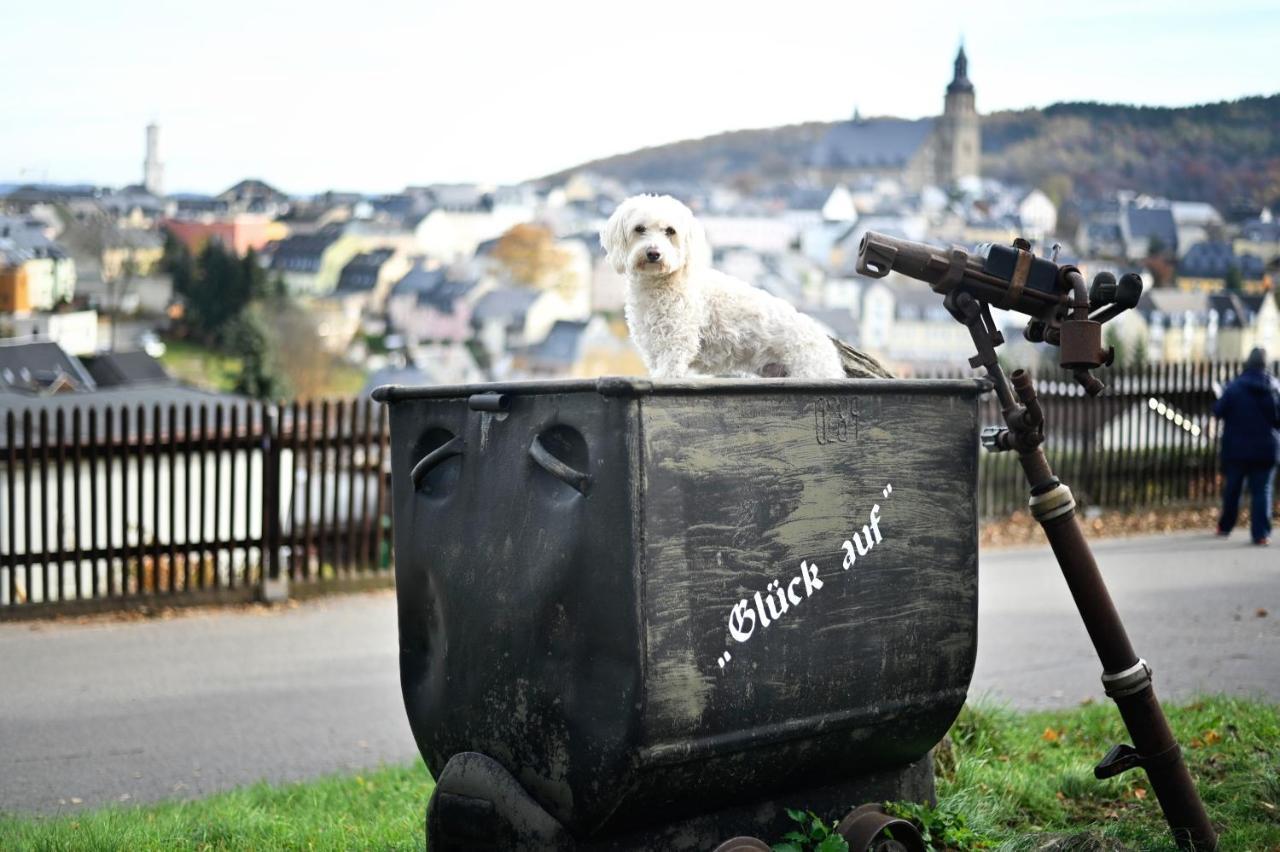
1126,678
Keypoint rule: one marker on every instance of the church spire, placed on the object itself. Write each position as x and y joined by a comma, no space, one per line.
960,82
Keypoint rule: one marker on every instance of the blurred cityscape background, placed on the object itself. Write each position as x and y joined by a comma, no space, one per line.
262,292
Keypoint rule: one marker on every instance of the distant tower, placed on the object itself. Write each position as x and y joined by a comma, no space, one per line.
959,140
152,169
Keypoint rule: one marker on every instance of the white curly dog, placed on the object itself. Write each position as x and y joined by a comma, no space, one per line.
687,318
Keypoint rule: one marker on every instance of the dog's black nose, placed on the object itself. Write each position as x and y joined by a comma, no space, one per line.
654,255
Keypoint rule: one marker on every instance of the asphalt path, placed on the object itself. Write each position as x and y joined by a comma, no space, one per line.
182,707
130,711
1204,612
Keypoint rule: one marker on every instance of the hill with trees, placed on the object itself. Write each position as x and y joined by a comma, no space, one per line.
1226,153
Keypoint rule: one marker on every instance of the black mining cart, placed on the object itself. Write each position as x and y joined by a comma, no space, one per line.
645,615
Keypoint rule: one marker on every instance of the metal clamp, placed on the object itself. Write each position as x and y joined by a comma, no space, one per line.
1019,280
1128,682
1054,503
1123,757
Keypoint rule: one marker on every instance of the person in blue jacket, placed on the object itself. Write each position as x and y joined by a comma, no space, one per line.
1250,412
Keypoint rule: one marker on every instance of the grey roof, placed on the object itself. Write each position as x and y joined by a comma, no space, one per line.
29,367
509,304
1261,232
361,272
112,369
32,193
23,239
872,143
252,190
807,197
1103,232
303,251
402,205
561,344
1214,259
1143,223
443,297
1234,310
419,279
460,197
115,399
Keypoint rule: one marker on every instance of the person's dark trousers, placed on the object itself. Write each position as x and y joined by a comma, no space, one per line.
1260,478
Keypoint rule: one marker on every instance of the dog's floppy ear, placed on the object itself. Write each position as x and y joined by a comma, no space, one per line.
698,249
613,238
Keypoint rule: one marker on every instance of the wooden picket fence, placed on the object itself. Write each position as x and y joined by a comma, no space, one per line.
107,507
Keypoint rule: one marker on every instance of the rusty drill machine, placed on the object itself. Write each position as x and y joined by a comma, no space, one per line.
1066,314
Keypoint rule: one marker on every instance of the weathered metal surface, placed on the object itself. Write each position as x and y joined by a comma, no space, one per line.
591,622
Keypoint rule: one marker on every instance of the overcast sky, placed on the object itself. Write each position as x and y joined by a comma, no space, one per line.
374,95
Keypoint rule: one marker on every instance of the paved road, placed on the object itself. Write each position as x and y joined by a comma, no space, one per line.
1191,604
200,703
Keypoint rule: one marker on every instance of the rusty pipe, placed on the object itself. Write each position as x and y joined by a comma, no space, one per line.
946,269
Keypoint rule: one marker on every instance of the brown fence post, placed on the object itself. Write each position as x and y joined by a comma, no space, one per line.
11,465
275,586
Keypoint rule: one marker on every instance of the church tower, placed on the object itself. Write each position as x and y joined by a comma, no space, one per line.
959,139
152,168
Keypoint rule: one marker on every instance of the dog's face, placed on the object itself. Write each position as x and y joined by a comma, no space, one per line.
653,236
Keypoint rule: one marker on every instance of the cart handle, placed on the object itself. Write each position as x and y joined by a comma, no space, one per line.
575,479
449,449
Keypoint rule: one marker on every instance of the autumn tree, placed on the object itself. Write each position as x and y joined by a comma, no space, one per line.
309,367
530,256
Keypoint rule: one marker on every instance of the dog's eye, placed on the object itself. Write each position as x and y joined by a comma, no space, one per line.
671,232
639,229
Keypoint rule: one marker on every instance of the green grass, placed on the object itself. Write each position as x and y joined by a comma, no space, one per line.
200,366
381,809
1015,774
212,370
1007,775
345,380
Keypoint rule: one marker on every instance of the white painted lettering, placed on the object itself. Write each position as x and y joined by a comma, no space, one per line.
779,598
764,619
742,621
811,581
